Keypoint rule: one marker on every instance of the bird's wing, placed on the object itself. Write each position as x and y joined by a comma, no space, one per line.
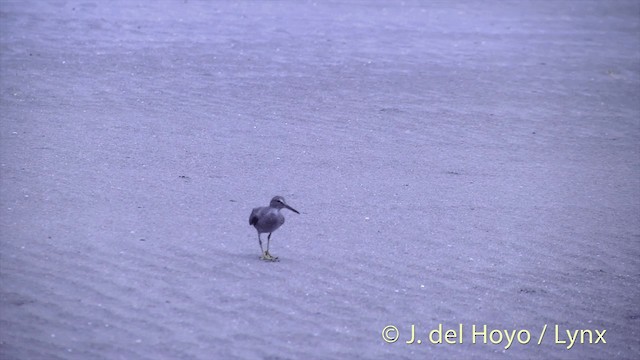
253,218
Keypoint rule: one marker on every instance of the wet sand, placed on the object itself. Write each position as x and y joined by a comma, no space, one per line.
469,163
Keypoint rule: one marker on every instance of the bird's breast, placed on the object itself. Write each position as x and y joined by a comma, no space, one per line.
269,221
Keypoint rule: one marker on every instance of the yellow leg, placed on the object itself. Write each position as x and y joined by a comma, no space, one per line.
268,257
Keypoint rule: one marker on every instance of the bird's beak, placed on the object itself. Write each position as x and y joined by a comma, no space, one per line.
292,209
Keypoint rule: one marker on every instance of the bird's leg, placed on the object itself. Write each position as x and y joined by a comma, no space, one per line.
269,256
262,253
265,254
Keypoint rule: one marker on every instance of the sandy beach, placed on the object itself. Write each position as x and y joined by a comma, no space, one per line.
458,165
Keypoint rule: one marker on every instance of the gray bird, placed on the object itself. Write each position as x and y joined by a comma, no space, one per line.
267,219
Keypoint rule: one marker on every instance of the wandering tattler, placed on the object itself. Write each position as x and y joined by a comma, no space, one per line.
267,219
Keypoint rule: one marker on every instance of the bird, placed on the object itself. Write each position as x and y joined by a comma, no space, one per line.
267,219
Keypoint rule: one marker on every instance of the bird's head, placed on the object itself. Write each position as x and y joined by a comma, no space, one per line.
279,203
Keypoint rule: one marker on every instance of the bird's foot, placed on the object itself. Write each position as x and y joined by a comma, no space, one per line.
268,257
